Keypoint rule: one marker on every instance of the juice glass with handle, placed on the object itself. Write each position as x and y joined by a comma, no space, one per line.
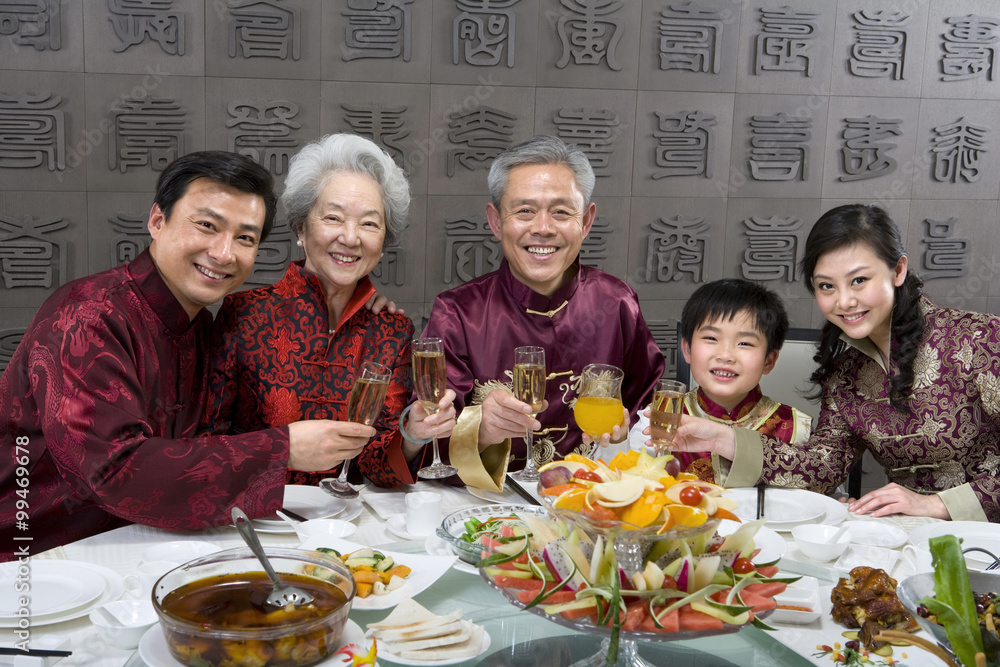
363,407
598,406
665,413
430,380
529,387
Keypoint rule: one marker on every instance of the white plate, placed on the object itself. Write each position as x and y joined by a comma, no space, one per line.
436,546
861,554
803,639
803,593
53,586
311,502
154,651
821,509
973,534
772,546
383,652
397,526
424,571
876,534
507,497
179,551
114,587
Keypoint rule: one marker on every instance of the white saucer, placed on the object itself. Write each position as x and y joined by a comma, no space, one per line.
55,586
154,651
397,526
113,588
876,534
435,546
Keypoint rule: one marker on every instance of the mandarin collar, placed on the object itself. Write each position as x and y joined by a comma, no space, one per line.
362,291
155,292
742,408
531,299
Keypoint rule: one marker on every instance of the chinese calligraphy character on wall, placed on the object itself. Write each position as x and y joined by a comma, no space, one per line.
391,267
970,48
957,150
33,23
879,49
779,149
677,248
485,131
785,43
772,250
260,29
685,144
135,21
594,249
377,29
470,249
28,257
9,340
483,32
148,131
665,335
273,255
590,33
866,149
945,256
593,131
131,237
383,125
263,132
32,132
691,38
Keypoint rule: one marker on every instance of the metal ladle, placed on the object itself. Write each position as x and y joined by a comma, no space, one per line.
282,595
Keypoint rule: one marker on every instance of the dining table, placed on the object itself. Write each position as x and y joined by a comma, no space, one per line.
517,637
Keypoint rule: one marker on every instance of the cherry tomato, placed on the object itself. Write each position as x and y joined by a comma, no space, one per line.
588,476
669,582
743,566
715,547
690,495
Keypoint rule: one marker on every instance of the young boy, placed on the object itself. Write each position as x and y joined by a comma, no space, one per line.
731,332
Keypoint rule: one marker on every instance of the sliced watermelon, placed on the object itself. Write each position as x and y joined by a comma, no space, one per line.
767,590
558,597
669,621
692,619
758,603
767,570
517,582
637,613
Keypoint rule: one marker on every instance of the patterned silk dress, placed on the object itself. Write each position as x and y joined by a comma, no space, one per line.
949,443
274,362
99,407
595,318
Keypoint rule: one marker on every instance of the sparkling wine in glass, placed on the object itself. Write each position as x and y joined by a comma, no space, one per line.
665,413
598,407
529,387
363,407
430,379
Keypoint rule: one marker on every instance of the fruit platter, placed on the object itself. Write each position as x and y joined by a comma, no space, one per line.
623,561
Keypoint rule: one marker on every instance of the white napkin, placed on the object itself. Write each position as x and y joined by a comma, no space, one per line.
384,502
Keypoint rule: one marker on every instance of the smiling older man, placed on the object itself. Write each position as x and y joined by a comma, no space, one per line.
541,295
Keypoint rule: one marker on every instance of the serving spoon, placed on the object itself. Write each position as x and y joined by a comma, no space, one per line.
282,594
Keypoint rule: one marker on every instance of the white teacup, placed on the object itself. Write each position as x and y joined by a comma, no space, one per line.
141,584
423,512
917,559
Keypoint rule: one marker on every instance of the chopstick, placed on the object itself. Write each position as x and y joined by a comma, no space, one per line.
289,513
39,652
760,500
519,490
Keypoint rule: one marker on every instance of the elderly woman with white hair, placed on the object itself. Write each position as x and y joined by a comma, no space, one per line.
290,351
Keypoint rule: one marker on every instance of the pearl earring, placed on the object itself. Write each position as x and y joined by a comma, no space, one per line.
299,243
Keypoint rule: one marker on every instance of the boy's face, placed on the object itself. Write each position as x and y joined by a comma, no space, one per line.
728,358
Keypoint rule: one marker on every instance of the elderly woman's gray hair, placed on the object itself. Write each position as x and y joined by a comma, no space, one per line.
541,150
309,169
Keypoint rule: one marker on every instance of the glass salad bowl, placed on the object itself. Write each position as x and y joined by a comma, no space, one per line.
452,528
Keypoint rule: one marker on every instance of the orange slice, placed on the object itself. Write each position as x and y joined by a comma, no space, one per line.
624,460
685,515
573,500
576,458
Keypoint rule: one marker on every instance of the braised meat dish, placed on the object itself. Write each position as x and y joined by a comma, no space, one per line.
867,600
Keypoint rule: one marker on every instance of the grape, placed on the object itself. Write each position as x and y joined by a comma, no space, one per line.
673,467
555,476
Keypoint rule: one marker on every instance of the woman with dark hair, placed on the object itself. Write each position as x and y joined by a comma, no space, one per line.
915,384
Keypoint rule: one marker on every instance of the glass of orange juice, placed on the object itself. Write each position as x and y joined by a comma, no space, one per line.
598,406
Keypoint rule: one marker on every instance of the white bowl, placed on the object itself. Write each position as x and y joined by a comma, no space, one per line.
179,551
124,622
812,541
307,530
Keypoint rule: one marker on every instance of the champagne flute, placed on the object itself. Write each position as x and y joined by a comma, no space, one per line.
363,406
598,407
430,379
529,387
665,413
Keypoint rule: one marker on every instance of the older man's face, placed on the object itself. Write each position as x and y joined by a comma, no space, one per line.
541,224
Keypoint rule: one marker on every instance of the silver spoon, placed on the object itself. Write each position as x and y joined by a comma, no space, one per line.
282,595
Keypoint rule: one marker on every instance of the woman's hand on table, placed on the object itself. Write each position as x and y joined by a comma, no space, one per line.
322,444
895,499
701,435
618,433
421,425
503,416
